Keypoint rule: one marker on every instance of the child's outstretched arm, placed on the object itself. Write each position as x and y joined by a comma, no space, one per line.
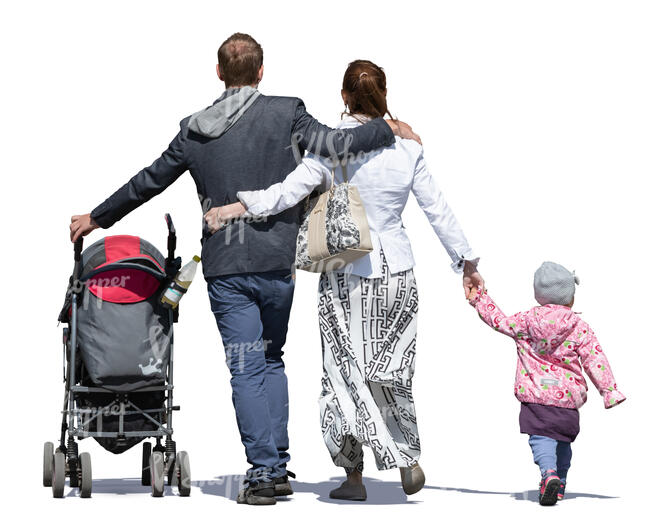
513,326
595,364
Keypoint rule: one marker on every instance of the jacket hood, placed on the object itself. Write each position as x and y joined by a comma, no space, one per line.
217,119
549,326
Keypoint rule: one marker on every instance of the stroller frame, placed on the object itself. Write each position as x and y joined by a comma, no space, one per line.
157,462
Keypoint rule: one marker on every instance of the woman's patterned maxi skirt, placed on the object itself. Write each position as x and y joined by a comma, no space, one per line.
368,330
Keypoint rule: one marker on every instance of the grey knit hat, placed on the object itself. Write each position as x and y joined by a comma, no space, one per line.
554,284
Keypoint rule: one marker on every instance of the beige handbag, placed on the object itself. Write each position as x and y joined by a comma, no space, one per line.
335,230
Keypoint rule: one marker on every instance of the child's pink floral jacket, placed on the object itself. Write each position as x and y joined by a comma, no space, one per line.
554,345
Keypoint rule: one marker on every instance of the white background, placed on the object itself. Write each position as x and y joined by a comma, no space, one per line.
534,117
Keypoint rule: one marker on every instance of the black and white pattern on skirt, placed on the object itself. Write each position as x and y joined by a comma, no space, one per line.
368,331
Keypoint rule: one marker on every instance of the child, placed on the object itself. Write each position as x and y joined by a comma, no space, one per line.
554,345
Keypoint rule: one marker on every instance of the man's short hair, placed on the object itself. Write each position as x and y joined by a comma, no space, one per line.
240,58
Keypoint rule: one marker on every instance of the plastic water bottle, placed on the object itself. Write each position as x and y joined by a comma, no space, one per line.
180,284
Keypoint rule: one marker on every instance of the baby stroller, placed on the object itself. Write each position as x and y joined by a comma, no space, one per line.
118,363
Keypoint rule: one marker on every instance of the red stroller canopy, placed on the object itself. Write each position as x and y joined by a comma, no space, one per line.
122,269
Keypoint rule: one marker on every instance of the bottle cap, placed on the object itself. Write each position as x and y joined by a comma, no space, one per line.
197,259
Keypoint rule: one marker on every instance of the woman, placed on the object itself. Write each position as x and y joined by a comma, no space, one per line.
368,311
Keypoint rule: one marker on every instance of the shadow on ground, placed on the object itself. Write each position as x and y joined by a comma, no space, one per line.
117,487
379,491
530,495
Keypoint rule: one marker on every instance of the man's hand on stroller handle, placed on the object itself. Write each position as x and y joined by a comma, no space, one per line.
81,226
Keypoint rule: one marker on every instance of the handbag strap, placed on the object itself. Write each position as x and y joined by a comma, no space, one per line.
320,207
344,169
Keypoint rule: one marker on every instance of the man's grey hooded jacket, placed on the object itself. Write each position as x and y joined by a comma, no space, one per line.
244,141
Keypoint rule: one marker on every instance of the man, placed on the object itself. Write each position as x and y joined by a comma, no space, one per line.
247,141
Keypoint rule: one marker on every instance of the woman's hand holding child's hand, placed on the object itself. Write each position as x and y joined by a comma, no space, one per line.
471,278
473,294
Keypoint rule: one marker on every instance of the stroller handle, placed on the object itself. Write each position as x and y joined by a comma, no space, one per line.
170,223
171,238
78,248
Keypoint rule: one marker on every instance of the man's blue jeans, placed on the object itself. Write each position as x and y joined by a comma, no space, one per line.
252,313
551,454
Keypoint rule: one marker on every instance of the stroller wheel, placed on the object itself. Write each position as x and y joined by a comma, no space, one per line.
157,469
48,458
86,475
58,478
183,474
146,457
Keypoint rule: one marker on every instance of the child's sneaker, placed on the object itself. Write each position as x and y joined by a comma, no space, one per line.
560,492
549,488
